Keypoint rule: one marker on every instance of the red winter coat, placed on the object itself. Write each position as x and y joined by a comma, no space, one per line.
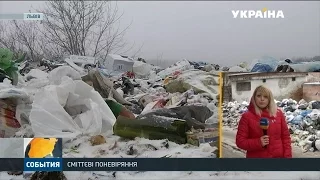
249,134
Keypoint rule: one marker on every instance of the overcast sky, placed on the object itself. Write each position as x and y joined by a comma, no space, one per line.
207,31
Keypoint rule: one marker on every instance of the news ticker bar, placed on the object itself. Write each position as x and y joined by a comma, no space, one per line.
158,164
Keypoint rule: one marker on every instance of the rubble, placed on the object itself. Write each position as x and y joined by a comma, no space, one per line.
303,119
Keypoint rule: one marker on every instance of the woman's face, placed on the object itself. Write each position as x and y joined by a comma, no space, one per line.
261,99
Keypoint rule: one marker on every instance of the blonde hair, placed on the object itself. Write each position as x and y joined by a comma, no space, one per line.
271,107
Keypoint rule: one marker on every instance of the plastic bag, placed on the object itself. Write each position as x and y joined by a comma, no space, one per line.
178,66
195,116
56,74
23,112
70,109
141,69
36,73
14,93
9,98
297,120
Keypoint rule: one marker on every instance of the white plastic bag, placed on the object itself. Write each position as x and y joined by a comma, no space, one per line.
89,114
37,74
14,93
23,112
79,69
141,69
178,66
55,76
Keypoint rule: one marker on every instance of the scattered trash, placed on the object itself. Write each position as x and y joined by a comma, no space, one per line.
97,140
9,125
197,137
270,64
73,100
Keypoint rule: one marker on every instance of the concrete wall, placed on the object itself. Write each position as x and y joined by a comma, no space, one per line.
311,92
281,87
313,77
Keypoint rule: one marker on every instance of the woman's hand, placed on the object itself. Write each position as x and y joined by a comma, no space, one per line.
264,140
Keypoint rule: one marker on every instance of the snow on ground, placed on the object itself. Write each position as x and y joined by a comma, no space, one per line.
116,147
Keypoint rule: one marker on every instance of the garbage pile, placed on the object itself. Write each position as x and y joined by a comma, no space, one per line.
303,119
270,64
176,93
49,65
176,113
205,66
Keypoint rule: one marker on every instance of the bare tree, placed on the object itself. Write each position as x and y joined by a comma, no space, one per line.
20,37
159,57
27,35
159,60
8,39
316,58
137,53
86,28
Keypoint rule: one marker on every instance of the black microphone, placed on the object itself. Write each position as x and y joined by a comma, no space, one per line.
264,124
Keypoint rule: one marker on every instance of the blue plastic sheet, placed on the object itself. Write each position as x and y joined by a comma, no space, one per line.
297,120
264,61
305,113
261,68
